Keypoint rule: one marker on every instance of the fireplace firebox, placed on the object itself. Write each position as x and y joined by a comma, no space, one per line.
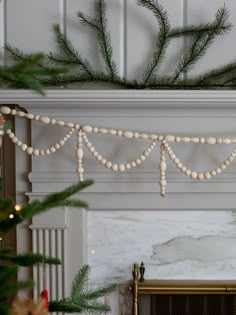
195,297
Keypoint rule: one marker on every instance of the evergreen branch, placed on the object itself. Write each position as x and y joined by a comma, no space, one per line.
105,39
98,292
201,43
217,73
162,38
3,309
79,282
67,48
100,26
63,306
191,30
30,259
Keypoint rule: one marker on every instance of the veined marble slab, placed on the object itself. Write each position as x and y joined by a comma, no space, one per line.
172,244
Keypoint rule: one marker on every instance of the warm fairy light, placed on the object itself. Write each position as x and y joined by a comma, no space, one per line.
17,207
1,239
11,216
93,251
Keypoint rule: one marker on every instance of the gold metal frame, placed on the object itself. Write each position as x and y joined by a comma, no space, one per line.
177,287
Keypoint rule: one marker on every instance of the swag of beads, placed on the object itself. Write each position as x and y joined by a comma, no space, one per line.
83,130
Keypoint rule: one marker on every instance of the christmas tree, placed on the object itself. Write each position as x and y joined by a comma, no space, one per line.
12,214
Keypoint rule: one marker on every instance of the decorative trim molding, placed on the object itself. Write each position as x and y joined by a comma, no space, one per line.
121,98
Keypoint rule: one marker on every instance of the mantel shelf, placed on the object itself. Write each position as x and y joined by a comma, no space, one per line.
122,98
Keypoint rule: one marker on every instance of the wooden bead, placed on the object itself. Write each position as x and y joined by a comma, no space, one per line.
23,146
61,142
170,138
207,175
153,137
184,169
188,172
103,161
30,150
70,124
200,176
11,135
128,166
173,156
13,111
136,135
87,128
60,122
53,149
122,167
178,139
47,151
77,126
14,139
231,158
195,140
138,161
53,121
163,182
213,173
115,167
210,140
57,146
80,153
223,166
176,160
194,175
227,162
80,170
112,131
142,158
133,164
29,116
218,170
95,129
163,166
19,143
128,134
5,110
36,152
143,136
219,140
36,117
45,119
108,164
227,141
160,138
99,157
120,133
42,152
103,130
179,165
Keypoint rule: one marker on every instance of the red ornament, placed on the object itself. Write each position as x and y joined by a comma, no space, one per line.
44,296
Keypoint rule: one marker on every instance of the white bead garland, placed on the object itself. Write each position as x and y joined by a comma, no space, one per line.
117,167
81,136
35,151
162,170
80,154
200,175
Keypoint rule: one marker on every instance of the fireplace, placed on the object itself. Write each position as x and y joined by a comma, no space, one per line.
166,297
190,234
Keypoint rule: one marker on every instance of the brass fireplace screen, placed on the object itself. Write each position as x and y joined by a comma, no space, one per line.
181,297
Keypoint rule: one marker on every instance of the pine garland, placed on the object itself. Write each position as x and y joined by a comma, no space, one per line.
80,71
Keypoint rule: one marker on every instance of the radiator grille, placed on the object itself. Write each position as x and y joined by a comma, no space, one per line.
184,304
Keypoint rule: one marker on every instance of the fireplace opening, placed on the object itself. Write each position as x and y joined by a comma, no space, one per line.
192,297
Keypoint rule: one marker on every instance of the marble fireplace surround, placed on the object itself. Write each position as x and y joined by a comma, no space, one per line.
189,234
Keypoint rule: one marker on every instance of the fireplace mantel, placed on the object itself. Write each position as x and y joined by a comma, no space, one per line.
122,98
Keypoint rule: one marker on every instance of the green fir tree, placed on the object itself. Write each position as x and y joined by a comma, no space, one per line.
80,299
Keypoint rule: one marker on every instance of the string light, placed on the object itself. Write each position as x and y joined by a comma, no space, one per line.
17,207
11,216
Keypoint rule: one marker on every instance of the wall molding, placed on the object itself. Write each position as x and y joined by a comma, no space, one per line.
121,98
